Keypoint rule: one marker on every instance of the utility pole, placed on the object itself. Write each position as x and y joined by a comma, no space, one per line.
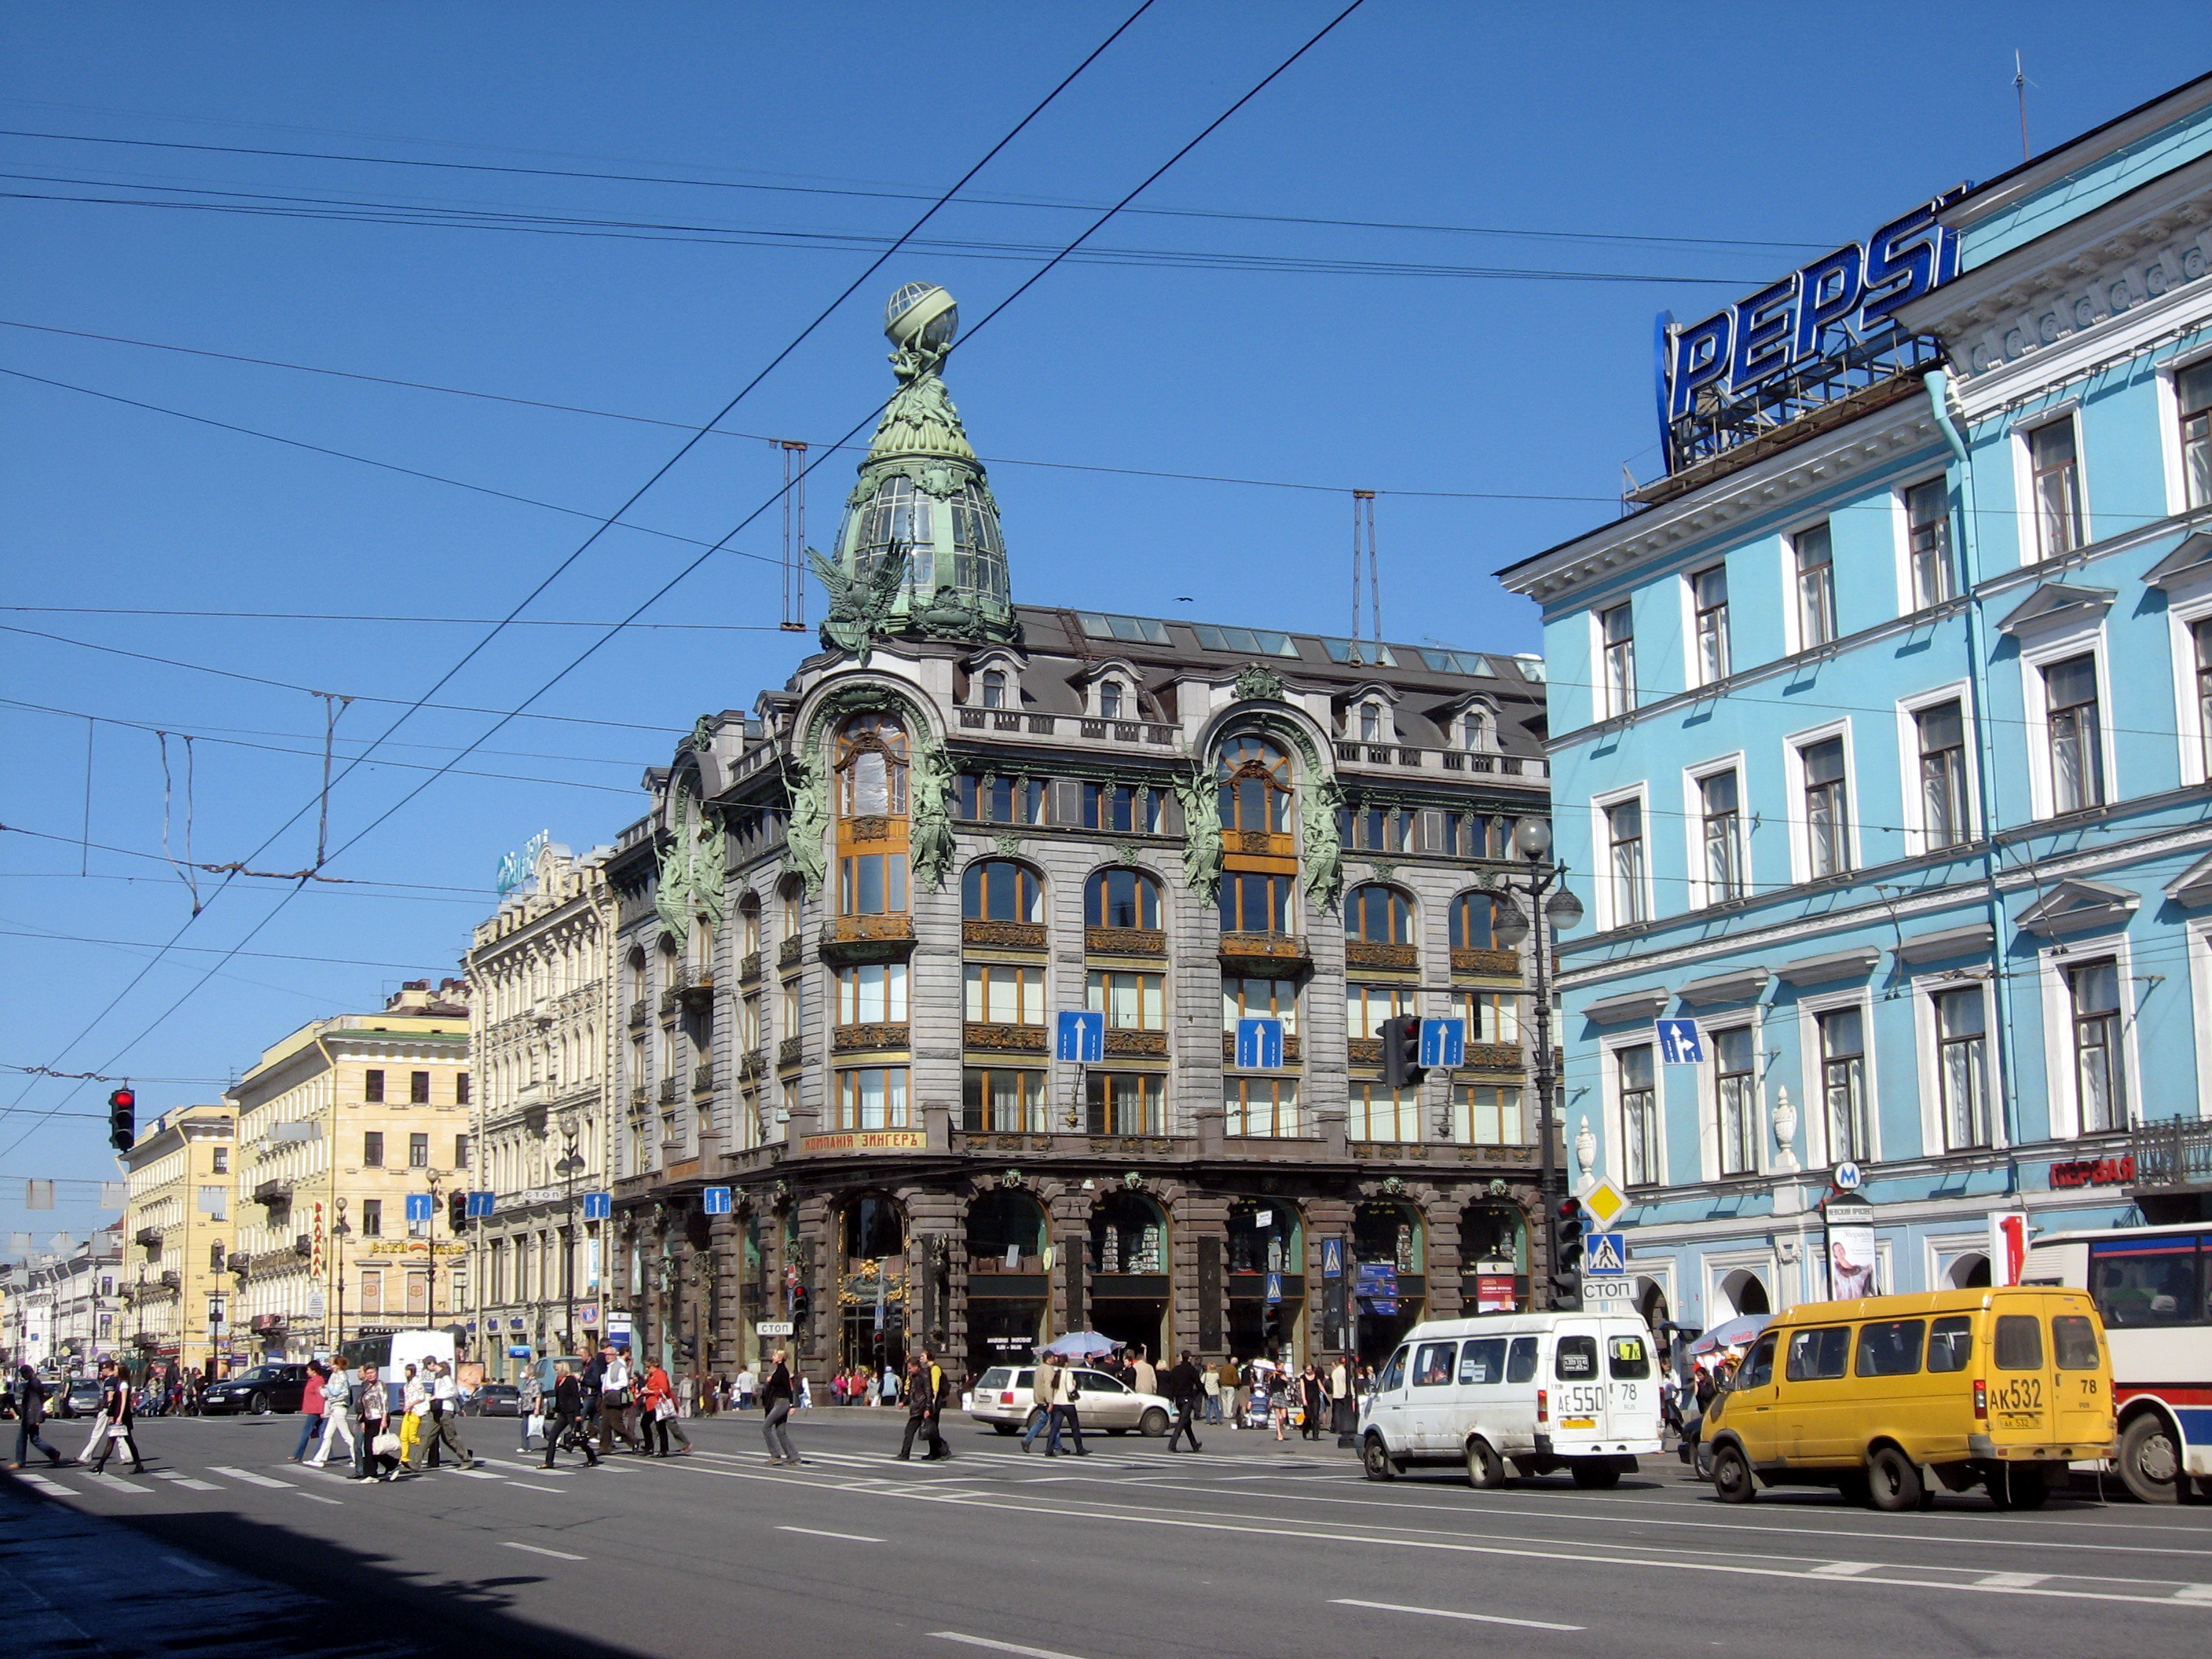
1532,840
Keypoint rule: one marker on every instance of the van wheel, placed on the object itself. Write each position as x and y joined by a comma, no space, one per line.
1594,1476
1375,1460
1732,1480
1485,1469
1893,1479
2150,1462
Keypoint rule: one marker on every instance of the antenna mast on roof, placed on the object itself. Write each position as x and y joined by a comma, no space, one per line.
1362,551
794,534
2019,88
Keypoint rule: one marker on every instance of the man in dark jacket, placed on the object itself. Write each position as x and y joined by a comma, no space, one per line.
929,1389
1186,1391
29,1395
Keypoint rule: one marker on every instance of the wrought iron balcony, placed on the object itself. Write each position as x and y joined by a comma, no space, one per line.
1267,951
694,985
1004,1039
749,967
791,952
792,1051
1004,935
1125,941
852,1039
149,1237
868,938
2175,1154
702,1077
1503,964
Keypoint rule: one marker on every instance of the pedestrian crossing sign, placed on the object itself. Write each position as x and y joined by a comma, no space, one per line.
1274,1288
1604,1253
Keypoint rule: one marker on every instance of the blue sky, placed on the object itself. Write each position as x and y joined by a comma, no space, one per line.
1709,146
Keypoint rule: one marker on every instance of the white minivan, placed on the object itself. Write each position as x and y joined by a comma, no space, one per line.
1538,1391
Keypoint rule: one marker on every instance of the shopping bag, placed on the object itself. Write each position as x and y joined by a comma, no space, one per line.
385,1446
119,1431
664,1411
536,1428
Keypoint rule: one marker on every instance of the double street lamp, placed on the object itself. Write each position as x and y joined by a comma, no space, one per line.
1542,884
569,1167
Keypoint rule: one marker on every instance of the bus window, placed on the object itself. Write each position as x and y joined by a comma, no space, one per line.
1521,1363
2076,1340
1890,1348
1628,1358
2152,1283
1483,1360
1432,1364
1816,1355
2020,1342
1576,1356
1951,1345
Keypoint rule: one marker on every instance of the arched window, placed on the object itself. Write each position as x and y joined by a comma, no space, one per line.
999,889
1109,699
995,688
1376,915
1475,726
748,926
1122,898
1370,722
1474,922
1256,787
872,828
871,752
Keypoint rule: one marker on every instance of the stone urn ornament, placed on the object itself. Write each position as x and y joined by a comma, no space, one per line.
1585,1147
1785,1130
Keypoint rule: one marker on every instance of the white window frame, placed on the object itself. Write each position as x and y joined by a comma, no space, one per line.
1699,888
2087,637
1793,773
2052,962
1693,657
2185,606
1909,709
1601,672
1793,610
2198,931
1813,1104
2169,425
1602,842
1709,1098
1928,1068
1615,1140
2023,474
1901,519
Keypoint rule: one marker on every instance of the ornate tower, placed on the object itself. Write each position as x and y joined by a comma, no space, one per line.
919,553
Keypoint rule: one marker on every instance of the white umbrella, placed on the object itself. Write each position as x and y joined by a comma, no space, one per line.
1077,1344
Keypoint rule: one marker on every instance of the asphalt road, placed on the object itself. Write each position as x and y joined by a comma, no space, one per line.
224,1547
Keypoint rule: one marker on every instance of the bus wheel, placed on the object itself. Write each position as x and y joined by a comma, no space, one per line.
1485,1469
1895,1483
1732,1479
2150,1462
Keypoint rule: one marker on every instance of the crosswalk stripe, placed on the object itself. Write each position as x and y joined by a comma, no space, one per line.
116,1481
39,1483
249,1477
178,1478
1843,1569
2011,1580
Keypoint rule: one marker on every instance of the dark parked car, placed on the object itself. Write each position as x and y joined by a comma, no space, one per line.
494,1400
78,1397
263,1389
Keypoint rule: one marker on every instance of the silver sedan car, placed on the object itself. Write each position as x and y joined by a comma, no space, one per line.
1002,1398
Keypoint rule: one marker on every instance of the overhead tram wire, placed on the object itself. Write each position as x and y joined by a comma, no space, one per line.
683,450
1037,203
724,432
996,311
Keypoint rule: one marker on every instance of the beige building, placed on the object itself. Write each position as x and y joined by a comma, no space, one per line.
541,1015
177,1234
338,1126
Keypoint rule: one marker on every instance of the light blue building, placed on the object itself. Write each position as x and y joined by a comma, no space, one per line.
1882,734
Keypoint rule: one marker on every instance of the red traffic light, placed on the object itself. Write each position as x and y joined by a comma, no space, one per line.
123,1100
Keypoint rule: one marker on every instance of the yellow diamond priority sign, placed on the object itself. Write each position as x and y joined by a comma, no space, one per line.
1603,1201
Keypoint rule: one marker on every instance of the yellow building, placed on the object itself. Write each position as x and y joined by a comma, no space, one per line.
176,1233
338,1126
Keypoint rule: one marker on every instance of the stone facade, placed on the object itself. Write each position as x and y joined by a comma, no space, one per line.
176,1233
846,927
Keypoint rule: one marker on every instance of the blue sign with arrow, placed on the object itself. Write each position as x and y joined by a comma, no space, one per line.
1079,1035
419,1208
1444,1044
481,1204
597,1207
716,1201
1259,1044
1680,1044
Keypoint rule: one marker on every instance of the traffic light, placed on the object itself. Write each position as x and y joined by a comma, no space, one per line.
457,1213
1401,1051
894,1322
121,1119
1271,1329
1567,1229
687,1347
802,1299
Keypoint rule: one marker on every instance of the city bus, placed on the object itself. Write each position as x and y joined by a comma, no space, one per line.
2153,1287
391,1352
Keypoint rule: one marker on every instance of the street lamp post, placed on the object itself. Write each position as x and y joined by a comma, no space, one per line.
1532,840
430,1248
572,1162
339,1233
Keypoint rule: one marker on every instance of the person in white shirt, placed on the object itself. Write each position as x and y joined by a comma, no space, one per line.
616,1400
444,1411
748,1386
337,1423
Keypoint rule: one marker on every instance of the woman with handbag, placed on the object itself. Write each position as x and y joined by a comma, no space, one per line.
380,1447
116,1406
659,1409
615,1403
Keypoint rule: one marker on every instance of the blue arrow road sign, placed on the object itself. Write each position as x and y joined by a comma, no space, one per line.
418,1207
1080,1035
1332,1258
1604,1253
1680,1044
1259,1044
716,1201
1444,1044
481,1204
597,1207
